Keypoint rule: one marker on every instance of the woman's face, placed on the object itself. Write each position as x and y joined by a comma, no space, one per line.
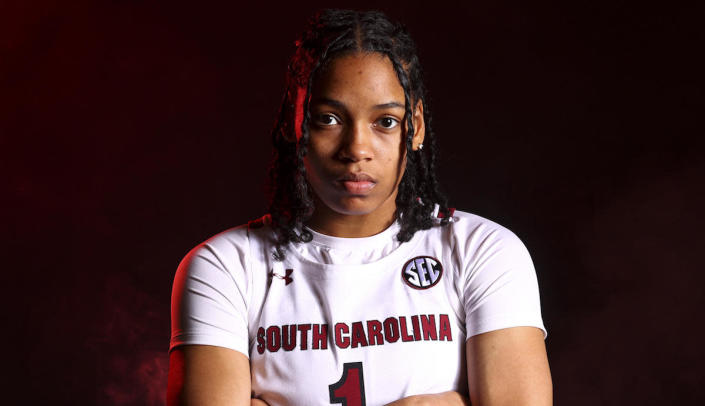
356,154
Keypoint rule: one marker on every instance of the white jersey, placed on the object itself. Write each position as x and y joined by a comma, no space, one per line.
355,321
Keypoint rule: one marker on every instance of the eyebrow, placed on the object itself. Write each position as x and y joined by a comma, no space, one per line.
341,105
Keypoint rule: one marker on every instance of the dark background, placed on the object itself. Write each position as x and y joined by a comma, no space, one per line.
130,131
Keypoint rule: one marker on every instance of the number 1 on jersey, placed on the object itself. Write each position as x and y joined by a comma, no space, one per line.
350,389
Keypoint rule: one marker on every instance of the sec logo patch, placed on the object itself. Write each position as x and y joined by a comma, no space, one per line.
422,272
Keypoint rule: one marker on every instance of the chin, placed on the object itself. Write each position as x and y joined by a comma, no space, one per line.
350,205
353,209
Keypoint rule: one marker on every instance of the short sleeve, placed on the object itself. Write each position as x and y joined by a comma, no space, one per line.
500,286
209,297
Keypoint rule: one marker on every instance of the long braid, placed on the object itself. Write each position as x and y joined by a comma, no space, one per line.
432,154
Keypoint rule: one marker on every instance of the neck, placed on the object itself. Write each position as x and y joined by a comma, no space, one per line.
329,222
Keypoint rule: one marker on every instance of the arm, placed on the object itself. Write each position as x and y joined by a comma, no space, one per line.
208,364
509,367
505,350
446,398
208,375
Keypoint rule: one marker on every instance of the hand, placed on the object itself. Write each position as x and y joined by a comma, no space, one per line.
258,402
450,398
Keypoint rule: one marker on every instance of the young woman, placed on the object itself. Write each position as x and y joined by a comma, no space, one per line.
361,286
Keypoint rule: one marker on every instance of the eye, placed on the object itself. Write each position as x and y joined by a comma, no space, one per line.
326,120
388,122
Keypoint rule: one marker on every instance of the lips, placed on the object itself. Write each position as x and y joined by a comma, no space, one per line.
358,183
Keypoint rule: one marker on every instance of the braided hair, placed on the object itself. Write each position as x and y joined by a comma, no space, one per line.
330,34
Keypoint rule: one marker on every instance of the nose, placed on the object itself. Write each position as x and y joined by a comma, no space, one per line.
356,143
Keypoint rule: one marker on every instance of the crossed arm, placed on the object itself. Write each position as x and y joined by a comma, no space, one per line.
505,367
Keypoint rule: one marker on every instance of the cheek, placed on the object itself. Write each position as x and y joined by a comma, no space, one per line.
402,164
314,163
320,150
397,155
401,168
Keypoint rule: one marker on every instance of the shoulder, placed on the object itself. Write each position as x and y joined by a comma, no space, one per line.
231,247
467,225
213,288
499,282
474,236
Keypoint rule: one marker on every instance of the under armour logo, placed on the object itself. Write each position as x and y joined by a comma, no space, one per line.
287,277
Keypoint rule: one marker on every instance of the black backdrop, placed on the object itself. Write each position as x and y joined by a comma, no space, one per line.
130,131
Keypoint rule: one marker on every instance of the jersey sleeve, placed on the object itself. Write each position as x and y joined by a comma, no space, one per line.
209,301
500,285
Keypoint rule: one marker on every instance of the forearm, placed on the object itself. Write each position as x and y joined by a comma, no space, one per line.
450,398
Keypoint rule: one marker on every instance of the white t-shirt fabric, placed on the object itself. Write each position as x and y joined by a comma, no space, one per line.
354,320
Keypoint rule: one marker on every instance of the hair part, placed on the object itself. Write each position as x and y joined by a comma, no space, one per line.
330,34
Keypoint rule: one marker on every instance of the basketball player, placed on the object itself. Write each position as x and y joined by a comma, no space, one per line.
361,286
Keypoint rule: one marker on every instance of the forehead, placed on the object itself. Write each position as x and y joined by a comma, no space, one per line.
359,77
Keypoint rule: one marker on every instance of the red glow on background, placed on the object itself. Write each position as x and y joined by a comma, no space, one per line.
132,131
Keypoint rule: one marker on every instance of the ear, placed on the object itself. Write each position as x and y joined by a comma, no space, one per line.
419,126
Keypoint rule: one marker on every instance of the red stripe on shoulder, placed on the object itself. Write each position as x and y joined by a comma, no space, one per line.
451,210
